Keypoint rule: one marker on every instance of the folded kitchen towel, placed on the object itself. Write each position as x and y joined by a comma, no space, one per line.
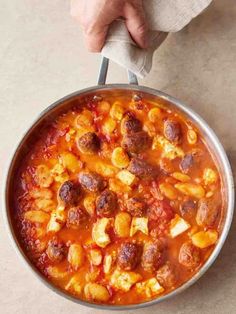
163,16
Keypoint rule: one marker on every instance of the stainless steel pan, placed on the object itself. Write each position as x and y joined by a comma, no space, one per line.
131,89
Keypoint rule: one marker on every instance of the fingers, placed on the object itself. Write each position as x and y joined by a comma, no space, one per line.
95,38
95,16
136,24
94,21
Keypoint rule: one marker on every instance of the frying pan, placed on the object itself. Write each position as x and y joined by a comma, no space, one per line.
131,89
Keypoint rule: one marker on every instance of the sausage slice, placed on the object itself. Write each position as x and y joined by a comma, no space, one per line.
172,131
88,143
92,181
136,143
106,203
128,256
152,257
56,250
189,255
76,217
142,168
70,192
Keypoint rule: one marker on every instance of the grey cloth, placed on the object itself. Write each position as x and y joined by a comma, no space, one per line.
163,16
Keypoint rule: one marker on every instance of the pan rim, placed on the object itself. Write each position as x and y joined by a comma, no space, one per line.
190,113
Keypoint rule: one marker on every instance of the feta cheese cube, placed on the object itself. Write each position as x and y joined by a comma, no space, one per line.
123,280
149,287
178,225
139,224
126,177
170,151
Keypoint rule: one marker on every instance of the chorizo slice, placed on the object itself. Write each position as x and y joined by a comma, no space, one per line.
128,256
166,275
152,257
136,206
136,143
189,255
56,250
89,143
76,217
142,168
70,192
208,211
106,203
172,131
186,163
130,124
92,181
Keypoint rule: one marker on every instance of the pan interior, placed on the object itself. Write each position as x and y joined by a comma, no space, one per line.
162,99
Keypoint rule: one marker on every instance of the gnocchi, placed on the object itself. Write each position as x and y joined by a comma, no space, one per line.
119,201
76,256
122,224
191,189
96,292
119,158
203,239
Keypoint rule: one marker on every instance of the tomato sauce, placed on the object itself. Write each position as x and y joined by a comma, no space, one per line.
119,202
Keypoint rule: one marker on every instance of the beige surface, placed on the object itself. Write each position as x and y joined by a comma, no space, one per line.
43,58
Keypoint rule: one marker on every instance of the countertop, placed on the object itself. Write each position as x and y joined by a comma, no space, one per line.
43,58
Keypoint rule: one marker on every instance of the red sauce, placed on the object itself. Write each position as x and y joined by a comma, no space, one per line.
181,198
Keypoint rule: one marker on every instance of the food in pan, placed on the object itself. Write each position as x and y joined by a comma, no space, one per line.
119,201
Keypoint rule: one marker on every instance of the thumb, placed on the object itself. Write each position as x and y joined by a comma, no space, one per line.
136,24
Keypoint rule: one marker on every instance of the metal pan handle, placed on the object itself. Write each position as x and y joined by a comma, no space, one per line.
103,73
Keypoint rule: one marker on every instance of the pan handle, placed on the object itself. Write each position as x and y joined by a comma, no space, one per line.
103,73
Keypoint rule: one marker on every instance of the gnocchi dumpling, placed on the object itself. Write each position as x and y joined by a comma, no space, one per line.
191,189
46,205
41,193
95,256
108,262
154,114
37,216
103,107
76,256
43,176
168,191
109,126
117,111
74,285
84,119
119,158
56,273
89,204
70,162
122,224
96,292
203,239
191,137
105,169
57,220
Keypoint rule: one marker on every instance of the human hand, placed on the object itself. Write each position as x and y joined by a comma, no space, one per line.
95,16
